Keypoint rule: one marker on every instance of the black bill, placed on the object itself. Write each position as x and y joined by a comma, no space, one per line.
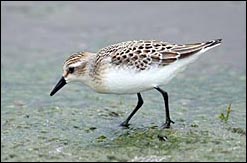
59,85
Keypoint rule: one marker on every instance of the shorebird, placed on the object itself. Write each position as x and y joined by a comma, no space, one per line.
132,67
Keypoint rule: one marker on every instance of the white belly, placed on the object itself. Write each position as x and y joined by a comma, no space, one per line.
127,81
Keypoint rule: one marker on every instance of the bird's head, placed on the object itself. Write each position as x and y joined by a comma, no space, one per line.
75,69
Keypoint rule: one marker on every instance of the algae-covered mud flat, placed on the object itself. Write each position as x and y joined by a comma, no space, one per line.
207,100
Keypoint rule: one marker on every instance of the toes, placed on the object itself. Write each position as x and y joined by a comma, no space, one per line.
124,124
166,125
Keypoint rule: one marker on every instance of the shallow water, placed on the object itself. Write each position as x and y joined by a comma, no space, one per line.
80,125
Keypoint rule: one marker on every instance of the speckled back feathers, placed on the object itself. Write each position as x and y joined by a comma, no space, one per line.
144,54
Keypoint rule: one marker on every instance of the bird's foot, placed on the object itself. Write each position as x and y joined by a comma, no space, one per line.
167,124
124,124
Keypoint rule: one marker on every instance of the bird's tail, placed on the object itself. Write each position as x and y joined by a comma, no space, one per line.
213,43
188,50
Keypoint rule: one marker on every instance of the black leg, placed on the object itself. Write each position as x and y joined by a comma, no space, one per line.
168,119
138,106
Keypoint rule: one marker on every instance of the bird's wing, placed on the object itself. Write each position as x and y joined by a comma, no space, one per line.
143,54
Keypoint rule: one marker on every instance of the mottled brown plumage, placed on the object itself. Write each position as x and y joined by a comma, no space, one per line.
141,55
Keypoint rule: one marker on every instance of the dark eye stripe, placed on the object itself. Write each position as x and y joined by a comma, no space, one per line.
71,70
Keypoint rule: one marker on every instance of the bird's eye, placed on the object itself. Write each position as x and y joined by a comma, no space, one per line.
71,70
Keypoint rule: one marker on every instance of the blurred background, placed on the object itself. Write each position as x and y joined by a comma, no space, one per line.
36,38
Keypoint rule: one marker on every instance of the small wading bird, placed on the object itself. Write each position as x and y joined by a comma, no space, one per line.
132,67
